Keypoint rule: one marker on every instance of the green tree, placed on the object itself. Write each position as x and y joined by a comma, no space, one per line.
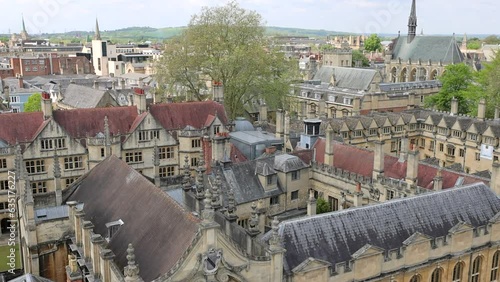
488,85
34,103
458,81
358,56
372,43
227,44
492,39
474,45
326,47
322,206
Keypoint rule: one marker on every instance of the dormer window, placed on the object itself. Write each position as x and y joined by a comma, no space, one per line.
269,180
113,228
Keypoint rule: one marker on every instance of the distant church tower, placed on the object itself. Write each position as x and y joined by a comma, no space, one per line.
412,23
24,33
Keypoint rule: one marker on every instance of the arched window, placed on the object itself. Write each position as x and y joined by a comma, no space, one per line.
457,272
415,278
436,275
476,270
494,267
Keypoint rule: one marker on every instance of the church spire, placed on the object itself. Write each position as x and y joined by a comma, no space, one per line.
412,22
97,35
24,33
24,26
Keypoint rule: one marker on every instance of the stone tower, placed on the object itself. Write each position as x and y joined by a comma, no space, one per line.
412,23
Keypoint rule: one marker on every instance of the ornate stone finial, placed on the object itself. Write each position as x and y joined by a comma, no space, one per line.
253,224
207,214
275,240
19,163
107,134
186,180
131,271
57,166
216,197
231,203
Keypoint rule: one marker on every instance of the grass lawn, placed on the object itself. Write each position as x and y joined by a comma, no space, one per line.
4,252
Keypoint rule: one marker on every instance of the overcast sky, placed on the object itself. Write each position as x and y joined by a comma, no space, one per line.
361,16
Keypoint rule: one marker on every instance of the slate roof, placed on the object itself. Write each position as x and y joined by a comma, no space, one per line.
245,183
345,154
351,78
286,163
159,229
335,237
425,48
82,97
180,115
30,278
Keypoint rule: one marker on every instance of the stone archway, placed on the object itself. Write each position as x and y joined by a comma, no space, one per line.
433,75
413,75
403,75
394,75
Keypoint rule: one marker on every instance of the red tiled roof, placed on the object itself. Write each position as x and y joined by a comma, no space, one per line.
180,115
88,122
360,161
19,126
137,121
305,155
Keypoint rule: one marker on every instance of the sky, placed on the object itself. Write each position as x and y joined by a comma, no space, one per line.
360,16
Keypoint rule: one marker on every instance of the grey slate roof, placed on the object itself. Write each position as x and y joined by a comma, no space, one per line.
351,78
286,163
425,48
336,237
78,96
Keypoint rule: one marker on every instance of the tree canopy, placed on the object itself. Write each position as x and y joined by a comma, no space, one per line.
358,56
226,45
34,103
492,39
372,43
322,206
469,87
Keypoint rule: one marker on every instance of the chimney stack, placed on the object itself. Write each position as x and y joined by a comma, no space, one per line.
495,178
279,123
263,112
481,109
311,203
96,84
378,159
412,166
122,83
454,106
218,148
358,196
46,105
140,100
20,79
438,180
329,146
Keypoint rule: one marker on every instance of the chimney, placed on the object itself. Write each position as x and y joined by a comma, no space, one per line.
329,146
356,106
481,109
403,154
122,83
286,128
495,178
279,123
311,204
438,181
454,107
20,79
218,147
113,84
46,105
358,196
263,112
412,166
96,84
140,100
411,100
378,159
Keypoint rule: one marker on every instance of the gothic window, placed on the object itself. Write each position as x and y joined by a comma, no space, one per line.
39,187
294,195
4,184
295,175
46,144
494,267
333,203
166,153
167,171
390,195
73,163
133,157
274,201
196,143
3,163
415,278
33,167
457,272
476,270
69,181
436,275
